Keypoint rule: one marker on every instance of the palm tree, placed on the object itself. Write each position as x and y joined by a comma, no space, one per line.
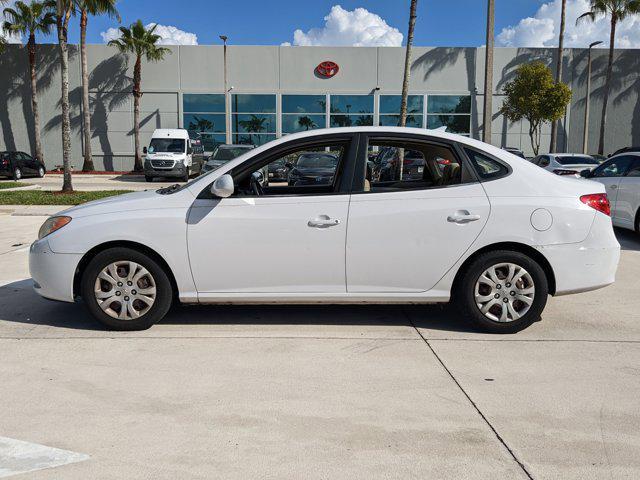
200,125
488,74
141,42
554,126
86,8
306,122
38,17
618,10
407,73
254,124
64,10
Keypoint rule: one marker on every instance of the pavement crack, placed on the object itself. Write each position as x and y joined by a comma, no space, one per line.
475,406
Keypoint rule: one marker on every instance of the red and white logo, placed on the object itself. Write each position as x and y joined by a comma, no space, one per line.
327,69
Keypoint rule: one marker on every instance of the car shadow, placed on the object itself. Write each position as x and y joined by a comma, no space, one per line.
20,304
629,240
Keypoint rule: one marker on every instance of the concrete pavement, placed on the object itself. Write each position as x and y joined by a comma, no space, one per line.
323,391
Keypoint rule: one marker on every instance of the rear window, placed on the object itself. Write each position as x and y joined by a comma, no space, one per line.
316,161
486,167
576,160
229,153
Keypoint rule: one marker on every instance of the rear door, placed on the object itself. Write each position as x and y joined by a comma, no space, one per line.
404,235
610,173
628,201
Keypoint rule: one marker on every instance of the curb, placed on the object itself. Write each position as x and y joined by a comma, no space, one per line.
20,189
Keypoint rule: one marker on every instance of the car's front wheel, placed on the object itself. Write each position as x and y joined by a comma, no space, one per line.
502,291
126,289
41,172
17,173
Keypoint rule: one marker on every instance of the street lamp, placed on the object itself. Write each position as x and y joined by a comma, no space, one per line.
227,118
585,138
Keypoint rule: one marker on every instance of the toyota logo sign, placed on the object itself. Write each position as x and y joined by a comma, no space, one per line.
327,69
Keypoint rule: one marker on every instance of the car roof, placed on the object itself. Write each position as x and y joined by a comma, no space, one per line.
236,145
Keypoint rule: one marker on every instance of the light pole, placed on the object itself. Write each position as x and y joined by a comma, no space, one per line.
585,138
227,117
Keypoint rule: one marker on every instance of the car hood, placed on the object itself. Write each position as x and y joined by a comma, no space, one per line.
145,200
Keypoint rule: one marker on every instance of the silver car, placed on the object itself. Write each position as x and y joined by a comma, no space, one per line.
621,177
566,163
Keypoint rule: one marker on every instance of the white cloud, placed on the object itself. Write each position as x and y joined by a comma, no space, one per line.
358,28
169,35
542,30
8,37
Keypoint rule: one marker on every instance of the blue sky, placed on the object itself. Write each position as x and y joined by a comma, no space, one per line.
439,23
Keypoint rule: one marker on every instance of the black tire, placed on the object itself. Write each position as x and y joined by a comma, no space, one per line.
186,175
17,173
463,295
148,178
164,290
637,222
41,172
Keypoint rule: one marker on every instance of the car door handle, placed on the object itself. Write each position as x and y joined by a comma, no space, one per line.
462,217
323,221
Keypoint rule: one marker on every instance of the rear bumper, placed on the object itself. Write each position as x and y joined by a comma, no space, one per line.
52,273
588,265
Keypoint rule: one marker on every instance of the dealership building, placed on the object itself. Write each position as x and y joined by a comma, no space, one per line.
272,91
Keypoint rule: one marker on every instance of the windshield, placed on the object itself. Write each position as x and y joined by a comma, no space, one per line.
576,160
228,153
170,145
317,161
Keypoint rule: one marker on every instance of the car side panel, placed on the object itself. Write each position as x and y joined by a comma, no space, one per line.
163,230
627,202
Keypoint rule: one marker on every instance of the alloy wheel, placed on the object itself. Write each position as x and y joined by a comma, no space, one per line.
504,292
125,290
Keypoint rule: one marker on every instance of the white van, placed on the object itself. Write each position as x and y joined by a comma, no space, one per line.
170,154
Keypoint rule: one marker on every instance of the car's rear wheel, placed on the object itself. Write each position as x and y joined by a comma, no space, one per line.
502,291
126,290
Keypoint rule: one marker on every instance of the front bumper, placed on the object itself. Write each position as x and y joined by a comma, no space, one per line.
52,273
177,171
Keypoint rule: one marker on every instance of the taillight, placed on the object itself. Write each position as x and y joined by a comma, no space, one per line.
564,171
598,201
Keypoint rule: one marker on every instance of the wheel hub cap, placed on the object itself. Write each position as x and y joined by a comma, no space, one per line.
504,292
125,290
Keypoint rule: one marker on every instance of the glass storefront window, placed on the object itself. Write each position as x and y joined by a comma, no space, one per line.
455,123
351,120
253,103
304,103
203,103
351,104
292,123
204,118
390,110
204,122
449,104
252,138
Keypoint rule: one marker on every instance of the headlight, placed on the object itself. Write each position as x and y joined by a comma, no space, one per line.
51,225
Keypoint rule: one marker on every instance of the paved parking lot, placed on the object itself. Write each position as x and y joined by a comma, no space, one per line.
321,392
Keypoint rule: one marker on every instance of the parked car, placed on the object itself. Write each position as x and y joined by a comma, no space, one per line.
488,232
313,168
621,177
223,153
565,163
598,157
625,150
279,170
385,165
516,151
171,155
17,165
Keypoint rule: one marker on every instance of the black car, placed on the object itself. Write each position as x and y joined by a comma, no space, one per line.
19,164
313,168
625,150
223,153
278,171
516,151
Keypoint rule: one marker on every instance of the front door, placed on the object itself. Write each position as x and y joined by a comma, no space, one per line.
284,237
628,200
408,229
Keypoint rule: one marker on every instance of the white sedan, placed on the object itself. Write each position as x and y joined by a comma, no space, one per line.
472,224
621,177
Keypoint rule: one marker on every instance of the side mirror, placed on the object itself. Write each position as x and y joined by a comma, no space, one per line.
144,150
223,186
585,173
